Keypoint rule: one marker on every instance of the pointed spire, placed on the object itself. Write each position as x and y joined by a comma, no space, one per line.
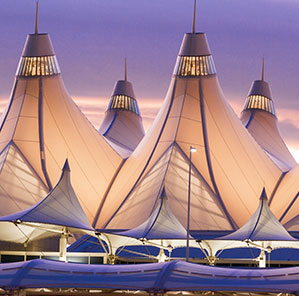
194,18
263,69
36,19
66,166
126,75
163,194
264,195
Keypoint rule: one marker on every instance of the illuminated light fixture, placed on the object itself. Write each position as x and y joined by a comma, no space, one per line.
192,149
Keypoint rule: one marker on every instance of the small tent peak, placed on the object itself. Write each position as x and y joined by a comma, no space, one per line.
36,19
163,194
259,96
264,194
66,166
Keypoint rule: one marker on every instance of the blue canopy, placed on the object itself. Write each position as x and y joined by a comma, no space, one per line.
155,277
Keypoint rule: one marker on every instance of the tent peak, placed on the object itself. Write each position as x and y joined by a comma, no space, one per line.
66,166
264,195
163,194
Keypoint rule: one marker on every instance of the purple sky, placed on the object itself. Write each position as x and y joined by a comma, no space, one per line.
91,38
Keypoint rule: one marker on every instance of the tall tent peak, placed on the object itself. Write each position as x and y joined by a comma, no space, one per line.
194,58
66,166
38,56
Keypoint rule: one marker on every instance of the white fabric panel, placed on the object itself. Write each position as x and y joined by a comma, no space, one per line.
263,127
41,113
11,113
171,172
20,187
134,166
285,203
206,212
115,241
124,128
144,198
162,224
68,133
262,226
59,207
238,165
16,233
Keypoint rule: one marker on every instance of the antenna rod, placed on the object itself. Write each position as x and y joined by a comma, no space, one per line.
36,19
125,69
263,69
194,17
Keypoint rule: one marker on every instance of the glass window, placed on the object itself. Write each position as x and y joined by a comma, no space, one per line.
123,102
38,66
260,103
194,66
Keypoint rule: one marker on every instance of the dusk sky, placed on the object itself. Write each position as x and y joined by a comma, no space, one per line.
92,37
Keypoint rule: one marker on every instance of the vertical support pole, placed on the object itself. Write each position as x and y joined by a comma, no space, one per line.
188,209
262,259
63,245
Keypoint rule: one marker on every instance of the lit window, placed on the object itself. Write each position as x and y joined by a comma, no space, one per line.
38,66
194,66
260,103
124,103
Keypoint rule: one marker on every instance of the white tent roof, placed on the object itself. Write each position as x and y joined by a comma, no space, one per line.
162,224
122,124
262,226
59,209
285,202
228,168
259,117
40,128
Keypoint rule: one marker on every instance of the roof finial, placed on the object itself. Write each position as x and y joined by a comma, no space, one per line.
36,19
263,69
126,69
194,17
264,194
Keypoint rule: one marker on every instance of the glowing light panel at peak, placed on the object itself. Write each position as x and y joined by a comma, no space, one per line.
123,102
187,66
38,66
260,103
